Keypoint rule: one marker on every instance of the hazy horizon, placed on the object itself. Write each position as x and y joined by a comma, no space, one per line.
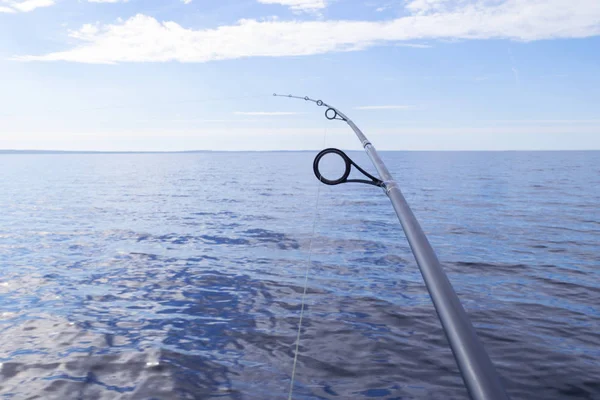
25,151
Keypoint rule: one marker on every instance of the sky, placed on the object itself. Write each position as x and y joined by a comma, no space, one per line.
168,75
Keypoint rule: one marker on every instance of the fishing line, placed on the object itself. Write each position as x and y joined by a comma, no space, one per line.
308,264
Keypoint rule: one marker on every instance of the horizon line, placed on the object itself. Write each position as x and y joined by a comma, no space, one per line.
31,151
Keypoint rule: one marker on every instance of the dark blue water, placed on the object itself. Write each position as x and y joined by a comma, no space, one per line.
179,276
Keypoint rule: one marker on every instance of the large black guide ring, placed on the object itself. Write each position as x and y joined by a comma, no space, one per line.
344,178
331,114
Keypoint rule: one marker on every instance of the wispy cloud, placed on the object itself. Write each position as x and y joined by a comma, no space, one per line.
554,75
144,39
415,45
514,70
516,74
196,120
11,6
387,107
108,1
380,7
299,5
546,121
266,113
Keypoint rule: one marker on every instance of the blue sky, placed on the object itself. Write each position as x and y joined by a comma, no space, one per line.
413,74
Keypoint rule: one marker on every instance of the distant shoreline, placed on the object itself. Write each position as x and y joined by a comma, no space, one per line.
9,152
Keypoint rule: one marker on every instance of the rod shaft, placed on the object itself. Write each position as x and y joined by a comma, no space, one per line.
478,372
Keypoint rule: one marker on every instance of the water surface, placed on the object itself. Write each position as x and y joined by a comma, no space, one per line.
180,276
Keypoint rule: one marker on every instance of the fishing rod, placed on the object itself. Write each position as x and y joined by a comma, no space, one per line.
478,372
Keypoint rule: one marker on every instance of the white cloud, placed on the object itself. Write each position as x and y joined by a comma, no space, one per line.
186,1
415,45
86,31
426,6
389,107
108,1
269,113
11,6
144,39
299,5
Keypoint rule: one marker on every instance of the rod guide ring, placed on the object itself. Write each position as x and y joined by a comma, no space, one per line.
347,162
328,115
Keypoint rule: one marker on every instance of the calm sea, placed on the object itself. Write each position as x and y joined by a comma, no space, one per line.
180,276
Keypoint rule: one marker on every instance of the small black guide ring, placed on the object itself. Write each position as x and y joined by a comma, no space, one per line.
326,181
